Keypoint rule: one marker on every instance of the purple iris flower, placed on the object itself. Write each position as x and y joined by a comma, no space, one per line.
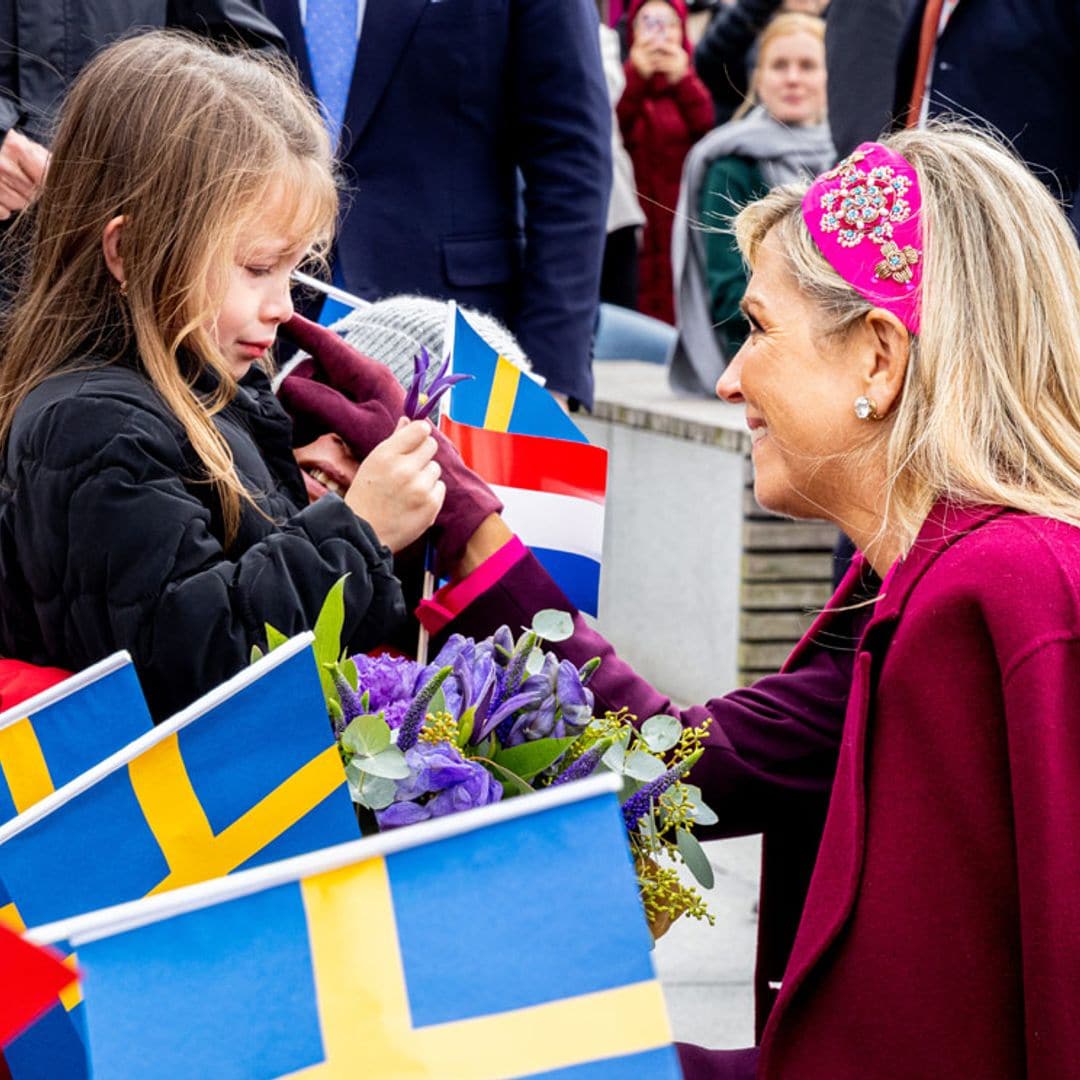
390,681
420,403
438,770
475,681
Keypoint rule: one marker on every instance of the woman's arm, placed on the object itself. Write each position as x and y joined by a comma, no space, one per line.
771,748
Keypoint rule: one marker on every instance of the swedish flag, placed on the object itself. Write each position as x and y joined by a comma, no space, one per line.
504,942
246,775
56,735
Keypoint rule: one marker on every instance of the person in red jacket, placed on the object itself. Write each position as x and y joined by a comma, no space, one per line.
663,111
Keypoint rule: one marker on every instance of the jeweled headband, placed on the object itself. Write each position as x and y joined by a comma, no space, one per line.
864,215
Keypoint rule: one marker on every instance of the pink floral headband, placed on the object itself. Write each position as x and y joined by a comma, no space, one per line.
873,196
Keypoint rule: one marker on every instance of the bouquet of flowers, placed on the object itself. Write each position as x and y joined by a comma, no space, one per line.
498,718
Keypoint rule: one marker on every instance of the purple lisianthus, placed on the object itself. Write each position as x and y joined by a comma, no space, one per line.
391,683
440,771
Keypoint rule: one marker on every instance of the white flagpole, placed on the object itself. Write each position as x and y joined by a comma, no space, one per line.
331,291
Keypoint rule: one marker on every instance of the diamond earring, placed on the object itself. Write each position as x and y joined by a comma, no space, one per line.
865,408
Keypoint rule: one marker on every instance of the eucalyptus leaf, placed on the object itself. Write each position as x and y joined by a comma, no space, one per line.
367,735
615,756
534,662
648,826
553,625
531,758
703,814
388,763
643,766
695,858
661,732
376,792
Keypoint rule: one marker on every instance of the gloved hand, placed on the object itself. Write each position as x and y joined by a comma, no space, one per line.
341,390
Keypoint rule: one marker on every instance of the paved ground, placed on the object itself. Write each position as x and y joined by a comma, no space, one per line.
707,971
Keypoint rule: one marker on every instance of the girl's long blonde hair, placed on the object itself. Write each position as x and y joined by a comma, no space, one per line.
187,142
990,408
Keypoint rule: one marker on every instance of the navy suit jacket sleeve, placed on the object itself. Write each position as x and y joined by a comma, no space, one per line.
562,125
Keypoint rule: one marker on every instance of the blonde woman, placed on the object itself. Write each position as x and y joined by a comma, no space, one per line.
781,134
912,374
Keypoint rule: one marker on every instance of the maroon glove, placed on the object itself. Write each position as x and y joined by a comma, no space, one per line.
341,390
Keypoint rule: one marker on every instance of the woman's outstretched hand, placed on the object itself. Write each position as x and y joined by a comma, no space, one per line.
397,490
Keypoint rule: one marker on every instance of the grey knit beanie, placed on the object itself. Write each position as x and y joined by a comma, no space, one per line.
392,331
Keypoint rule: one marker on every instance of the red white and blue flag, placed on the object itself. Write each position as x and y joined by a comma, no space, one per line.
551,480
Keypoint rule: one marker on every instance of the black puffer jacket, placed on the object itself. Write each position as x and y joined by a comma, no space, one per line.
109,540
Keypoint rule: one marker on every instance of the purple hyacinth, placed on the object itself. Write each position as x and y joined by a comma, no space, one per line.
637,806
419,404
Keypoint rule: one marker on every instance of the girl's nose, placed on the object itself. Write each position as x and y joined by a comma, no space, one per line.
279,306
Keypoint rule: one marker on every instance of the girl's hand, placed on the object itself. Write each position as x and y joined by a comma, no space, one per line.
397,489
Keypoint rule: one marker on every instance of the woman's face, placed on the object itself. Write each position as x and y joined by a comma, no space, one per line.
799,399
790,79
657,22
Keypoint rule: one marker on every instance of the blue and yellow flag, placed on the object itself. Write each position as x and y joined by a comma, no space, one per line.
504,942
246,775
50,739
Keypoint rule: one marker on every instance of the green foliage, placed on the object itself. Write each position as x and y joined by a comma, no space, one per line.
553,625
532,758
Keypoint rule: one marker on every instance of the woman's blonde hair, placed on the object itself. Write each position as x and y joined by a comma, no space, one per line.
783,25
990,407
188,143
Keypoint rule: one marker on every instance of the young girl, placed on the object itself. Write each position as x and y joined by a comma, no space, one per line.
150,500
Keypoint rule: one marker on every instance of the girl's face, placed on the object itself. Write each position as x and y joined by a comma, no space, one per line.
257,295
798,398
790,79
657,22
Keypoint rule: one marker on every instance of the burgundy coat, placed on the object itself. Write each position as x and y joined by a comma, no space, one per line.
941,932
659,123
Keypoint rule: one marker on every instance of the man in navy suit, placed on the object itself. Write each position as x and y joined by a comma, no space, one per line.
475,139
1014,63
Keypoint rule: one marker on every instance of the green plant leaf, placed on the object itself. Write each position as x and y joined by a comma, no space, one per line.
641,765
531,758
274,637
256,654
466,724
367,735
661,732
437,703
534,662
348,669
328,627
553,625
388,763
511,782
694,856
